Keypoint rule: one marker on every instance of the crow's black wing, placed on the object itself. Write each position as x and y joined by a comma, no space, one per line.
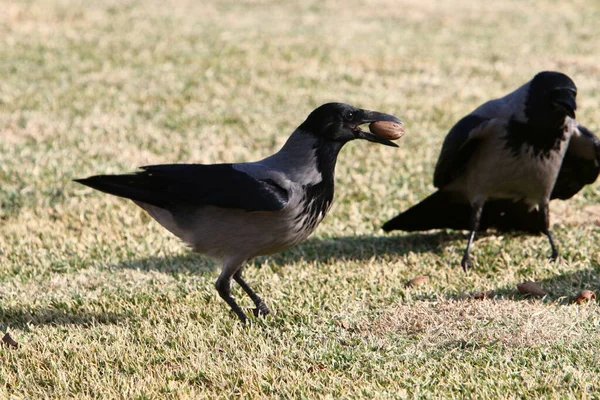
458,147
188,185
580,166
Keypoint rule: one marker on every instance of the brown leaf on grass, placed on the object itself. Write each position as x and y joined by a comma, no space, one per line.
483,295
9,341
315,368
532,288
345,324
417,281
585,296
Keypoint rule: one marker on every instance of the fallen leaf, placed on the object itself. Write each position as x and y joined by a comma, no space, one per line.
585,296
532,288
483,295
417,281
9,341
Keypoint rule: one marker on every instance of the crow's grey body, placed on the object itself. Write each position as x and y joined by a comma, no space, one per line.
233,234
234,212
502,164
494,171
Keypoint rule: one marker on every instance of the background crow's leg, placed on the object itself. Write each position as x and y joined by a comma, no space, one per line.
261,307
545,213
477,208
223,286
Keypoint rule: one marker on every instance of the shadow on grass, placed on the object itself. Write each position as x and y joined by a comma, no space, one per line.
357,248
188,263
349,248
313,250
24,318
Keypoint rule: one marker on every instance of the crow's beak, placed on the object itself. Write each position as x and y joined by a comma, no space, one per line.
374,116
564,100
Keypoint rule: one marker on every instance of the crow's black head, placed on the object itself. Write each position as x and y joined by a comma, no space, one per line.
551,98
339,122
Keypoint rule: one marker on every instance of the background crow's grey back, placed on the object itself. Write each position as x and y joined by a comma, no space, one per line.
502,164
235,212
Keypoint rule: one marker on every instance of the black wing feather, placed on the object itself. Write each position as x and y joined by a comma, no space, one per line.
188,185
456,150
580,166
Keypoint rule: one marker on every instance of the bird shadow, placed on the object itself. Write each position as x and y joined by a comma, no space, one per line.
356,248
313,250
328,249
561,288
363,247
16,317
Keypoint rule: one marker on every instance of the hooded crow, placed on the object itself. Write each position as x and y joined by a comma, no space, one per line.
234,212
502,164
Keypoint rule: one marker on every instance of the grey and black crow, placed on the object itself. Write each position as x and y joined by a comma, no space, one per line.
502,164
234,212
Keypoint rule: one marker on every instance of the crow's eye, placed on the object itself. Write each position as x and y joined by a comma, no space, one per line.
349,116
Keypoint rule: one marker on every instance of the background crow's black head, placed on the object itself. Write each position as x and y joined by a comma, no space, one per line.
339,122
551,98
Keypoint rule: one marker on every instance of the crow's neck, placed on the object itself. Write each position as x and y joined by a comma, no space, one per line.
310,161
307,159
318,197
326,154
541,138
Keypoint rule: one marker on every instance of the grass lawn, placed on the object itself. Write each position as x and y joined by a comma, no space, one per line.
107,304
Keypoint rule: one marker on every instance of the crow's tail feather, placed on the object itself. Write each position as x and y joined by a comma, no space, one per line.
139,187
444,210
438,211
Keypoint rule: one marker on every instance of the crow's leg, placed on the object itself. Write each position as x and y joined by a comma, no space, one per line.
545,212
261,307
223,286
476,210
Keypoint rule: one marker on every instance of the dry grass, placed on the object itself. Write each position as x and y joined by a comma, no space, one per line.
106,304
508,323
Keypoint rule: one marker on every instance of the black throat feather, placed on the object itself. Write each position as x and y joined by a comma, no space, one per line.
542,140
318,197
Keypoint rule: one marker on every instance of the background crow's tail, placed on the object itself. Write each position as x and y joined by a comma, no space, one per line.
445,210
440,210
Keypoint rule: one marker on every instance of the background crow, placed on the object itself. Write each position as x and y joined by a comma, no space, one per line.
502,164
